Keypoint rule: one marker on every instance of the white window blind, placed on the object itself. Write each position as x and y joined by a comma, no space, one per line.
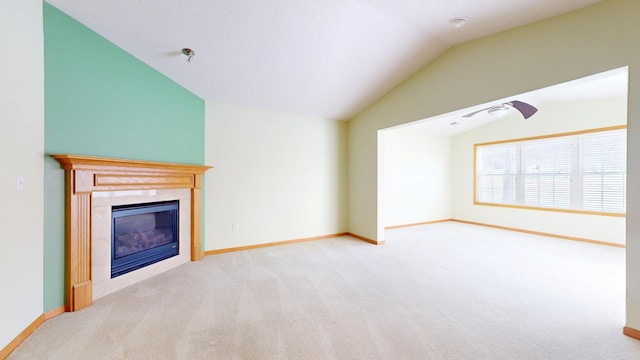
581,172
604,175
546,169
499,173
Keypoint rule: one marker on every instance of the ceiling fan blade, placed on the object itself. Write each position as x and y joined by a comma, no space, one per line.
524,108
475,112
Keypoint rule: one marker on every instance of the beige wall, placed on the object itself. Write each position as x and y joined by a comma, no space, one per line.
417,176
22,143
567,47
277,176
552,118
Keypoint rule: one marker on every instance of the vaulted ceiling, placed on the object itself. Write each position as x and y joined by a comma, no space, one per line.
329,58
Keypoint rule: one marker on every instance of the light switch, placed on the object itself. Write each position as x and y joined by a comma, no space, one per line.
19,182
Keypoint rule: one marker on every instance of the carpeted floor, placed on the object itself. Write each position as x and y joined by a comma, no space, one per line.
440,291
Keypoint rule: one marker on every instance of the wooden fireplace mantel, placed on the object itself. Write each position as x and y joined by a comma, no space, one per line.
86,174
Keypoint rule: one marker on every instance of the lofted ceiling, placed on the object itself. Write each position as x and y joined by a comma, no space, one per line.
328,59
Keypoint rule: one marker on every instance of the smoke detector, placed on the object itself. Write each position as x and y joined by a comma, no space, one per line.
458,22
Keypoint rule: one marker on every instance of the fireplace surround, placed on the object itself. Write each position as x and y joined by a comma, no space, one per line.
102,203
86,175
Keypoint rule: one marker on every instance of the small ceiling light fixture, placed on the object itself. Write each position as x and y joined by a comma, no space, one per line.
498,110
455,123
189,53
458,22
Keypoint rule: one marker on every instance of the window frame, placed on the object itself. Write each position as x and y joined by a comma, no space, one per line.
540,208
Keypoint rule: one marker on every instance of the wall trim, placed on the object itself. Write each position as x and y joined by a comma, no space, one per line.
631,332
275,243
54,312
540,208
573,238
555,135
293,241
4,353
415,224
370,241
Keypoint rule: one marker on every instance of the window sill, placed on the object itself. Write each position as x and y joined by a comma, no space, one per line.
570,211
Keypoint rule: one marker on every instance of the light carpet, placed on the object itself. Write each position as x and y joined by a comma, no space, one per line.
439,291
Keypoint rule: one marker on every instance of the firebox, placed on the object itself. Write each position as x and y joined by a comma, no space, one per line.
143,234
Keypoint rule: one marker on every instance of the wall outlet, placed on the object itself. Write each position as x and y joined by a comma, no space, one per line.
234,227
19,182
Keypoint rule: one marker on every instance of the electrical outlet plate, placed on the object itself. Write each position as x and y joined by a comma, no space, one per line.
19,182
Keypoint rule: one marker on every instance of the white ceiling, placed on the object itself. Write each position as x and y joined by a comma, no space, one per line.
328,58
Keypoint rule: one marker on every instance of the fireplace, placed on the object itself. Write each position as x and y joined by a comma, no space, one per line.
143,234
94,184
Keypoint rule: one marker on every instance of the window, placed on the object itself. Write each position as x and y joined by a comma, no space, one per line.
577,172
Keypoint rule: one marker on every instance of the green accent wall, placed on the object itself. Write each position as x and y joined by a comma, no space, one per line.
102,101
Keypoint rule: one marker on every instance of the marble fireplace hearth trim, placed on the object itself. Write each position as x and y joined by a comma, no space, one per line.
102,202
85,175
